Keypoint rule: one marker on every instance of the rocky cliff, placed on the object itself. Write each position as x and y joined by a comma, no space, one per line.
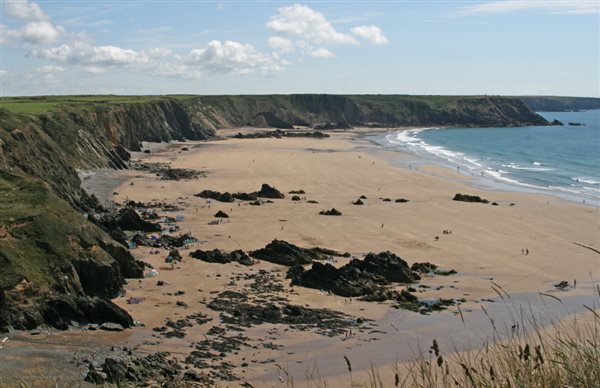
285,111
56,266
560,104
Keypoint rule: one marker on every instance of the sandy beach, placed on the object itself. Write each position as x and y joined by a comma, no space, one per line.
485,247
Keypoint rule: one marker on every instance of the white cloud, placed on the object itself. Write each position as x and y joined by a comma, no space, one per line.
322,52
236,58
50,79
158,52
304,22
85,53
39,32
371,33
24,10
49,69
93,69
552,6
280,44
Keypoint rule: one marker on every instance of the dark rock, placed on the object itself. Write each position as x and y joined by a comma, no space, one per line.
111,326
423,268
494,203
284,253
358,202
357,278
166,172
562,285
255,203
294,271
60,310
556,123
171,241
296,198
267,191
311,201
174,255
575,124
386,200
218,256
469,198
181,303
217,196
95,376
363,197
278,133
401,200
332,212
126,219
297,192
221,214
387,265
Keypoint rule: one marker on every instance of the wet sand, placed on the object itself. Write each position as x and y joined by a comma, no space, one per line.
485,246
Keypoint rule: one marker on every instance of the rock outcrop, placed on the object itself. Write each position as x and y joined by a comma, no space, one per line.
222,257
469,198
358,278
265,191
285,253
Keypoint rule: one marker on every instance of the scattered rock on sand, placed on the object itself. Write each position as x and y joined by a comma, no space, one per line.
469,198
285,253
562,285
267,191
111,326
221,214
358,277
332,212
218,256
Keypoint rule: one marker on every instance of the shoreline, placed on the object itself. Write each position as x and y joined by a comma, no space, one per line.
484,248
488,182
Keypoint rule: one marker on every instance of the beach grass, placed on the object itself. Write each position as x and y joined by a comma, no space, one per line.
564,354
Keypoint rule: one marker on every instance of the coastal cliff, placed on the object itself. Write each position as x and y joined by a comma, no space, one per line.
58,267
560,104
285,111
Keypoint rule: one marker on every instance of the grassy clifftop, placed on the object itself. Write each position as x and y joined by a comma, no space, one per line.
215,112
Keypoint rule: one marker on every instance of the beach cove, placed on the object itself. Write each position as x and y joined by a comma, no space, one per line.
486,247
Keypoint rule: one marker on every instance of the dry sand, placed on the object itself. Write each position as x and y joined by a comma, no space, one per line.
485,246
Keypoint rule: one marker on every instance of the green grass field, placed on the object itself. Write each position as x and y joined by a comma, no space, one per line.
40,104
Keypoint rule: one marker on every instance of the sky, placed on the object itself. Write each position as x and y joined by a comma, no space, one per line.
505,47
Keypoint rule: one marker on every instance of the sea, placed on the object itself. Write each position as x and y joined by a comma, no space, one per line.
558,160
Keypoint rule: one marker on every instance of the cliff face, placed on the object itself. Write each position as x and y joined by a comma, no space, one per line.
52,145
56,266
365,110
560,104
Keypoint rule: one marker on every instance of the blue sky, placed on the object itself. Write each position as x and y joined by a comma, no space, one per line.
508,47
